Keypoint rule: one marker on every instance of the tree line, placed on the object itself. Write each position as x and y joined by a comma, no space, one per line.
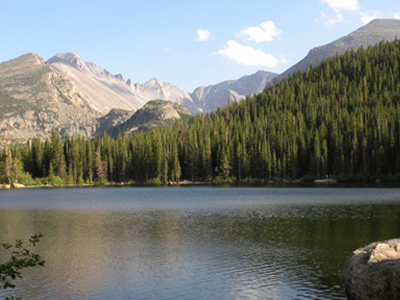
339,118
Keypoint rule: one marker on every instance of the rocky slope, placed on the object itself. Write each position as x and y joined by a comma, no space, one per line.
114,118
152,114
78,97
105,91
370,34
34,98
209,98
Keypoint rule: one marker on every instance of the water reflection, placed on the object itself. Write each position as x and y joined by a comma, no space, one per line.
195,243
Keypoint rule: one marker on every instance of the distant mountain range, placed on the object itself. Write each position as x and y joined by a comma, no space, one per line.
209,98
79,97
105,91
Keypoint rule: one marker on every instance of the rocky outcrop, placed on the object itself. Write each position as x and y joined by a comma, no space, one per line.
155,113
373,272
114,118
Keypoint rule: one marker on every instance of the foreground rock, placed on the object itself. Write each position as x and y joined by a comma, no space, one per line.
373,272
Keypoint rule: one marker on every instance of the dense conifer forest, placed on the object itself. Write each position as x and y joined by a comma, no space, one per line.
339,118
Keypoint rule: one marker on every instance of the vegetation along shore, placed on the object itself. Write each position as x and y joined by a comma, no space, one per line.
340,118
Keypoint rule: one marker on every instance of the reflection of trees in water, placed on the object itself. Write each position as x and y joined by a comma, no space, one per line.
304,244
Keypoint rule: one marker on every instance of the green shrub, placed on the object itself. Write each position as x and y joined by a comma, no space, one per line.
53,180
19,258
154,181
80,181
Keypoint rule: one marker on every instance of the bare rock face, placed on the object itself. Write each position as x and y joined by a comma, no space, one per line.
153,114
371,34
34,98
105,91
373,272
211,97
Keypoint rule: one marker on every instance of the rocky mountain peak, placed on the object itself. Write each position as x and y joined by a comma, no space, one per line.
21,66
154,82
36,58
119,77
34,98
69,58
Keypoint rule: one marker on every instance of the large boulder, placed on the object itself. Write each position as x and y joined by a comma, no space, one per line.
17,185
373,272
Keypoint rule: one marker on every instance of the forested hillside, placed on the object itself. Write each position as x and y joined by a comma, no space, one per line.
339,118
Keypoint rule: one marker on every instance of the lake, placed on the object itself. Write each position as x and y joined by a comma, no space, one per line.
194,242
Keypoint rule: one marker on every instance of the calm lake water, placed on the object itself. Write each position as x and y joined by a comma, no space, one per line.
195,242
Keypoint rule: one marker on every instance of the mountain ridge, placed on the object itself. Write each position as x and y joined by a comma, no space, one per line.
76,97
72,95
217,95
35,98
367,35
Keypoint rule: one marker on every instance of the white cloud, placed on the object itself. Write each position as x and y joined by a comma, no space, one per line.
353,6
368,16
338,5
397,15
203,35
263,33
248,56
330,20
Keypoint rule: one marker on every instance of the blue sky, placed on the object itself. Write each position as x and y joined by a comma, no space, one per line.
187,43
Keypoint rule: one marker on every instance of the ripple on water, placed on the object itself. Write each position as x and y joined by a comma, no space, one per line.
196,243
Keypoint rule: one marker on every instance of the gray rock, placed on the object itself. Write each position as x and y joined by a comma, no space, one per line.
373,272
368,35
153,114
211,97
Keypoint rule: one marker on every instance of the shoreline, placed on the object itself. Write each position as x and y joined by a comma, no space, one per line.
326,183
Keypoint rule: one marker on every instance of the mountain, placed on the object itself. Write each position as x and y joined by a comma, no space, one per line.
340,118
153,114
78,97
114,118
34,98
158,89
368,35
75,96
100,88
105,91
211,97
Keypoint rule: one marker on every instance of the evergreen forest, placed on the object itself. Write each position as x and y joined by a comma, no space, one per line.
340,118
